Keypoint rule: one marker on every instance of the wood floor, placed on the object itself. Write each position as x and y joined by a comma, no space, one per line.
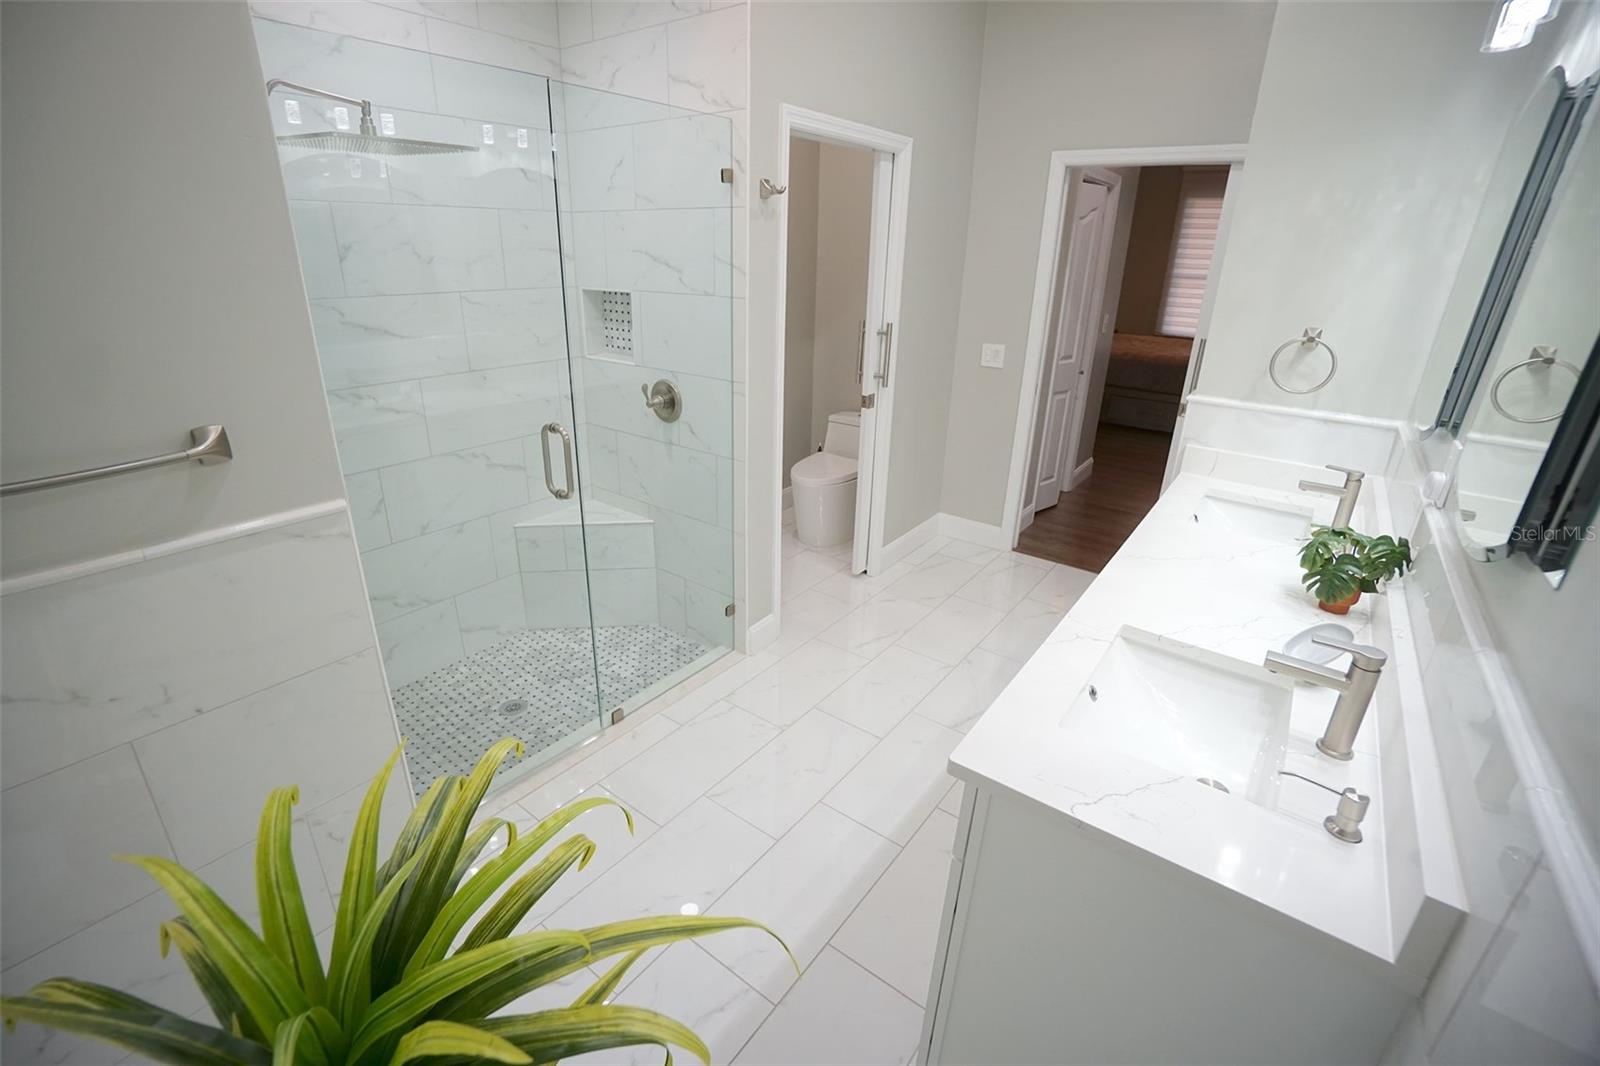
1090,523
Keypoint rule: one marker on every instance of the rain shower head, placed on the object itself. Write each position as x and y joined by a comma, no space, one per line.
368,141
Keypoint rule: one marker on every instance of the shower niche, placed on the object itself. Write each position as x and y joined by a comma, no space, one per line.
494,286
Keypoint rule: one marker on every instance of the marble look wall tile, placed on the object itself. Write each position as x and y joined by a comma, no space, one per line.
208,774
576,107
610,394
446,490
396,77
678,479
698,551
532,249
574,22
600,168
371,340
98,661
425,570
557,598
706,615
314,239
367,513
411,248
348,18
493,405
680,161
463,11
543,548
313,175
708,60
58,848
420,642
624,597
691,334
728,249
667,251
602,469
330,826
587,248
670,595
808,884
616,546
534,21
490,614
378,425
505,173
491,51
633,64
513,326
618,16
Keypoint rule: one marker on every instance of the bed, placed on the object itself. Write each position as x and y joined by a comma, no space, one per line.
1144,380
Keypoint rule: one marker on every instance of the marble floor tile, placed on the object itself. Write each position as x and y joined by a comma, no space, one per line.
1062,586
693,704
967,691
541,796
801,571
876,624
884,692
778,784
677,770
968,551
687,863
856,589
806,615
1003,582
689,986
894,787
804,888
953,629
797,682
1023,629
935,579
951,804
895,930
837,1015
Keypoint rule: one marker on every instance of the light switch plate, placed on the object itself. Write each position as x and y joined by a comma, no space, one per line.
993,355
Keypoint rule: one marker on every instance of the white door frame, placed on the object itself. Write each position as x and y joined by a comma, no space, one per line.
817,126
1073,471
1061,162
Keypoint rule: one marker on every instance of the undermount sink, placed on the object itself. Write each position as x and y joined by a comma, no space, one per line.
1253,518
1187,710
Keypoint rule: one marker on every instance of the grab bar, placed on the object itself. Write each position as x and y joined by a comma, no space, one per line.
207,445
566,455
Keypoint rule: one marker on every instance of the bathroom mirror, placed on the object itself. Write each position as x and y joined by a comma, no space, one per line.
1467,310
1508,497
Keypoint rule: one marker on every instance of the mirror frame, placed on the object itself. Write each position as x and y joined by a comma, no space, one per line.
1516,245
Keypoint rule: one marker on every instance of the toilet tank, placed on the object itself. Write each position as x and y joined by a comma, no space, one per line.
844,434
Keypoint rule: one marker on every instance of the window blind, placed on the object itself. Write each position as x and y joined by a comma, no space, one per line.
1194,241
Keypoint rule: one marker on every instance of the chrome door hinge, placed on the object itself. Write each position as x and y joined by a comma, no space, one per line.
727,175
869,401
616,715
727,612
1183,408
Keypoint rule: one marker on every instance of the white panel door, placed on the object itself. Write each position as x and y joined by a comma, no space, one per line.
1074,344
877,357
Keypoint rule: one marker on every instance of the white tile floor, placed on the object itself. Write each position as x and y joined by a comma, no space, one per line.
805,787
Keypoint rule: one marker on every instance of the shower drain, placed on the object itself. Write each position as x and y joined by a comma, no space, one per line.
511,707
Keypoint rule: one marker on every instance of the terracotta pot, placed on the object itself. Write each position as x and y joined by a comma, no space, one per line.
1342,606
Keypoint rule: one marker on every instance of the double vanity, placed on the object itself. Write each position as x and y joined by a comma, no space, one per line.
1155,861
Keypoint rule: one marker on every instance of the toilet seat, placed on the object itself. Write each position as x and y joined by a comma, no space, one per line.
823,468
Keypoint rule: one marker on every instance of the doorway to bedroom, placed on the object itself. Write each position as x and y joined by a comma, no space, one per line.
1136,252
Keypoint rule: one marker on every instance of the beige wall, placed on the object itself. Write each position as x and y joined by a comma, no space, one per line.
1144,275
1071,76
844,239
800,302
907,67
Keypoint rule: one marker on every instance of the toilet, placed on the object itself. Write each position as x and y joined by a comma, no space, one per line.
825,485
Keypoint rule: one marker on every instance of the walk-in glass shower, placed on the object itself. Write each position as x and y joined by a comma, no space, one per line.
520,291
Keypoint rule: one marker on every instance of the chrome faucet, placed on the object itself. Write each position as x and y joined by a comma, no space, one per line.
1347,493
1355,687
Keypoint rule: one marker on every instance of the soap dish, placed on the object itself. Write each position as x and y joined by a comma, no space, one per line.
1301,647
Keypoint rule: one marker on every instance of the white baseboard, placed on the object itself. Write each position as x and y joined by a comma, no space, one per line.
788,498
760,635
981,533
1081,474
911,540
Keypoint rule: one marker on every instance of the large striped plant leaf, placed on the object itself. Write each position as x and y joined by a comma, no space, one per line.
209,978
129,1022
432,1039
350,980
284,924
552,1035
361,864
509,909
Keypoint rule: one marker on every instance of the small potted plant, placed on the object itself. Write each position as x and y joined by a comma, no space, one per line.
1341,564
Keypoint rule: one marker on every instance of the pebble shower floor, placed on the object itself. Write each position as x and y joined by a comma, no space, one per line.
538,686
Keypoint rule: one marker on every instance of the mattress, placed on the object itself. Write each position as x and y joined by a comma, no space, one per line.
1149,364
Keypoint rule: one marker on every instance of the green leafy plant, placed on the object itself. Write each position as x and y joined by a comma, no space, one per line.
1338,563
402,982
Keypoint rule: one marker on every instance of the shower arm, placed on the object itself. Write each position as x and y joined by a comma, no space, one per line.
368,127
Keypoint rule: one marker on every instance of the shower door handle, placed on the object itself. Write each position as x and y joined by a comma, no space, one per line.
566,455
885,352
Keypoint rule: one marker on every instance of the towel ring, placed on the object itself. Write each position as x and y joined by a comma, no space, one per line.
1312,337
1542,356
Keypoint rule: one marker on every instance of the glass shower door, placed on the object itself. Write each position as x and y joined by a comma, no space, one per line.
644,203
432,264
